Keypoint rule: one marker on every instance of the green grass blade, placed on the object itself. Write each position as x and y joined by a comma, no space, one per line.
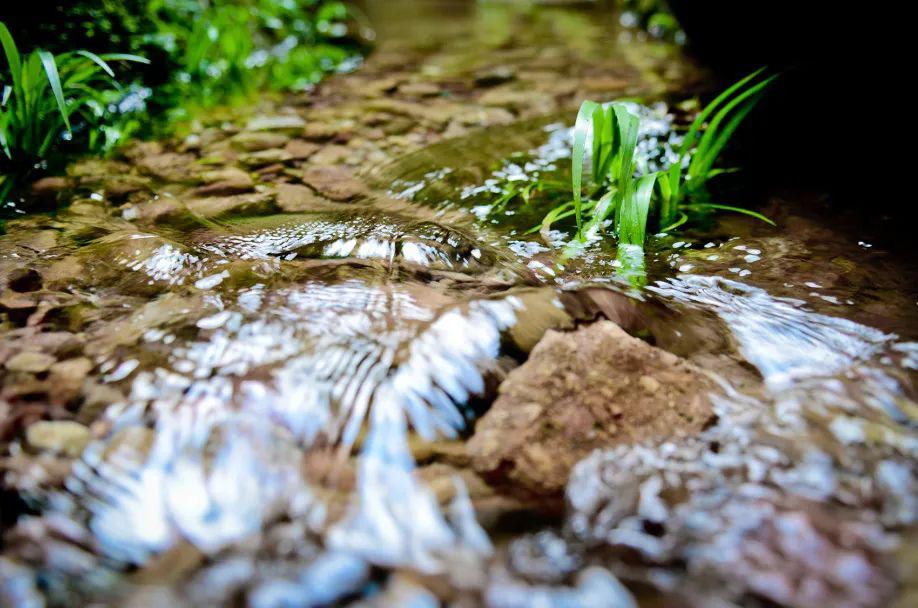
683,218
98,61
12,56
54,79
635,210
748,212
709,109
125,57
581,127
708,149
706,159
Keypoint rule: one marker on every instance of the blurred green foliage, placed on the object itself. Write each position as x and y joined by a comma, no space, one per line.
201,53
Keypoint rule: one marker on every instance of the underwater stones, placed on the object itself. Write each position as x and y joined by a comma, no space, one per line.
494,76
544,422
419,89
296,198
253,141
48,188
336,183
223,182
300,149
58,436
281,122
156,211
264,158
29,362
170,167
119,187
66,378
257,203
734,534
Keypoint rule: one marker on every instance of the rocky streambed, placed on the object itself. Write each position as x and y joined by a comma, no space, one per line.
288,358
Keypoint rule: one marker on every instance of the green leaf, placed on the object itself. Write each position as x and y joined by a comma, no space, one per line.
54,79
581,127
635,210
689,140
98,61
12,56
729,208
125,57
714,140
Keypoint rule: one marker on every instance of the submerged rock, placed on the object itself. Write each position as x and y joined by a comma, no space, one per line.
224,182
30,363
590,388
336,183
60,436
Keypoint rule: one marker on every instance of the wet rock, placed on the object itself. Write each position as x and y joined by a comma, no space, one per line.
296,198
48,188
276,123
320,131
156,211
170,167
299,149
29,362
494,76
264,157
91,170
254,141
336,183
543,421
333,155
224,182
419,89
66,378
121,187
58,436
529,103
258,203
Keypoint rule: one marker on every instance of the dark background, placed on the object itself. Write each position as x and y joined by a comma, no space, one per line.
822,126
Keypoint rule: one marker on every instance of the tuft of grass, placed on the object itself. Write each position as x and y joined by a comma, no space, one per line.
45,95
631,204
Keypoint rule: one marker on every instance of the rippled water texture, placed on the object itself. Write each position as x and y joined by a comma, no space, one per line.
297,389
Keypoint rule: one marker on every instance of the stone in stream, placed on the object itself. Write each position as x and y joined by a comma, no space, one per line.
591,388
336,183
224,182
281,122
255,203
59,436
296,198
30,362
253,141
170,167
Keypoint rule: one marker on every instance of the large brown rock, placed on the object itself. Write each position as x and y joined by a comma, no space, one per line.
581,390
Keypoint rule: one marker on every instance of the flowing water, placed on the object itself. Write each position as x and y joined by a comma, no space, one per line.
289,383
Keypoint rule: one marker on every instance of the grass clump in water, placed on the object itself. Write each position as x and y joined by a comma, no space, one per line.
621,200
44,97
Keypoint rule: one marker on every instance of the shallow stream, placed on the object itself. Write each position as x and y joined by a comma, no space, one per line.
281,399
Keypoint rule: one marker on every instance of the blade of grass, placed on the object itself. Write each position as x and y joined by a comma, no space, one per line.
581,126
98,61
54,79
730,208
696,125
635,210
12,56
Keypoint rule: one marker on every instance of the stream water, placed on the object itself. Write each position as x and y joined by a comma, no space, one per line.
281,403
